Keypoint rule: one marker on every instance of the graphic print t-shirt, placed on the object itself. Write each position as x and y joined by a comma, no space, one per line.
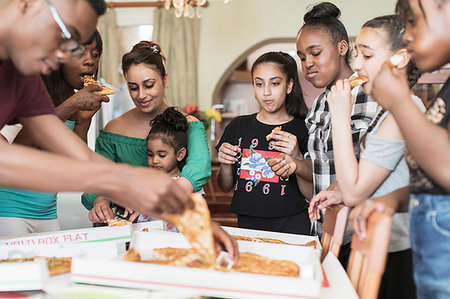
258,191
438,113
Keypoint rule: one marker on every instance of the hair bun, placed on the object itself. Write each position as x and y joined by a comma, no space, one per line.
322,10
147,46
171,117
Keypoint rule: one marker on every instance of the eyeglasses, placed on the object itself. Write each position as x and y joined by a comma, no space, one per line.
68,44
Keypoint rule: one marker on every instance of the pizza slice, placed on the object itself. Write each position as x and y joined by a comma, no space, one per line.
269,136
89,80
195,224
56,265
118,222
357,81
395,60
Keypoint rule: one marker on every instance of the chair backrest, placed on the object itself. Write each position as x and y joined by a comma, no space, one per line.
333,228
368,256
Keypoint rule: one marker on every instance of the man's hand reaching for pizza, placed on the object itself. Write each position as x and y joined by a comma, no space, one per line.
224,242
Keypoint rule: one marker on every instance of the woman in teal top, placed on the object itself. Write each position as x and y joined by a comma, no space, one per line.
25,211
124,139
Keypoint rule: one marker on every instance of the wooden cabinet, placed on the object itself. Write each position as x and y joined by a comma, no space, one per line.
219,201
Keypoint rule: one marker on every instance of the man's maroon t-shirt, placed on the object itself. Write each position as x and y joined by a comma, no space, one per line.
21,96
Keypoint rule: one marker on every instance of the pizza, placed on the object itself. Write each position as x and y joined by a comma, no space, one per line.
89,80
56,265
395,60
248,262
195,224
312,243
357,81
118,222
59,265
269,136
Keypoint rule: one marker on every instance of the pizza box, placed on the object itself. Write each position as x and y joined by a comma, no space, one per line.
23,276
94,234
204,282
104,250
340,285
16,276
151,225
288,238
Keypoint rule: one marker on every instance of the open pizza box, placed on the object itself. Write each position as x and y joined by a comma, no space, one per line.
23,276
288,238
203,281
95,234
150,225
33,275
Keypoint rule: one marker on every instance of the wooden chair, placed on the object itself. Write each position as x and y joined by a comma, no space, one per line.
368,256
333,229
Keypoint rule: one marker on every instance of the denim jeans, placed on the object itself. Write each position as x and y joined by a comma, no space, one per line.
430,241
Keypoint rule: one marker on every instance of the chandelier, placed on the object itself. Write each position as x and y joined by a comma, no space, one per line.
187,8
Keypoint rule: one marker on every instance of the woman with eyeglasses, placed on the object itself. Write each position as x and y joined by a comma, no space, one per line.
26,211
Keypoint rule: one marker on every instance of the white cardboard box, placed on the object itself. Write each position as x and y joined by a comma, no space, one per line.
95,234
23,276
288,238
204,282
15,276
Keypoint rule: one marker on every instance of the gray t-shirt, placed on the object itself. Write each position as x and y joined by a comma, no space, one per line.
389,154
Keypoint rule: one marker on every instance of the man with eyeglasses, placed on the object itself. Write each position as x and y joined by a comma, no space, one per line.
35,37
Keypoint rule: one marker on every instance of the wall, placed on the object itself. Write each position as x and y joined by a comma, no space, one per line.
228,30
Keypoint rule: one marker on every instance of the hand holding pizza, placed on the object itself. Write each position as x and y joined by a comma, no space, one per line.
101,211
86,98
286,142
228,153
340,99
390,87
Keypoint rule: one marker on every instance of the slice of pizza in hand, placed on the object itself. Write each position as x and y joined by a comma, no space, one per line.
357,81
89,80
195,224
269,136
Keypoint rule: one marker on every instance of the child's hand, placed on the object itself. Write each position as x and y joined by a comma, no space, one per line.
323,200
286,143
340,99
283,165
101,211
228,153
390,87
133,214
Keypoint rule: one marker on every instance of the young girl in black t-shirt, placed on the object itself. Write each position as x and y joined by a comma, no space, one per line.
262,199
